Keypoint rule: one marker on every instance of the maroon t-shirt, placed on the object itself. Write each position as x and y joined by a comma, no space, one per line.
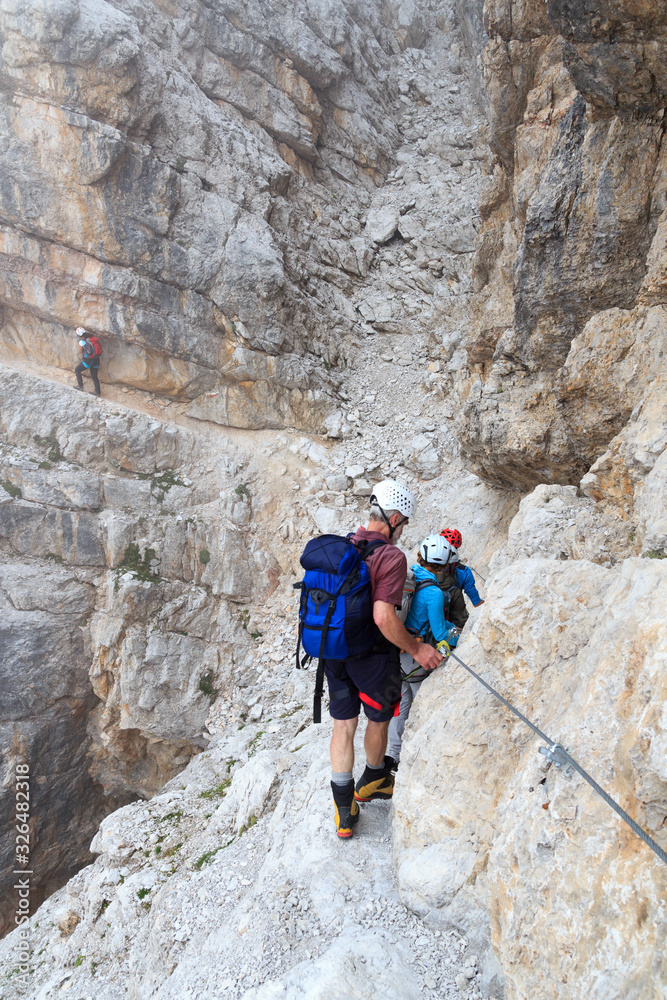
387,568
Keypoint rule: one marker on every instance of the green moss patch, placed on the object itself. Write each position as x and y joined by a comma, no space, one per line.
141,565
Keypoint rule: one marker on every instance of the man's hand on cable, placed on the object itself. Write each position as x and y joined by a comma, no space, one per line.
428,657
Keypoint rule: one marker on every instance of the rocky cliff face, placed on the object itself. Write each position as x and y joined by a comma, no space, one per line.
192,184
568,324
565,278
323,245
101,633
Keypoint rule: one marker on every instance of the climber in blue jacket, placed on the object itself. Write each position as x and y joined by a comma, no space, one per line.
427,610
427,618
466,582
459,580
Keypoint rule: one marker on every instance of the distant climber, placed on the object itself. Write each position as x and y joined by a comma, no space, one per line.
92,351
428,621
372,675
462,581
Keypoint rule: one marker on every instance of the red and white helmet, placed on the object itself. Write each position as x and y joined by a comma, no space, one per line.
436,549
453,536
390,495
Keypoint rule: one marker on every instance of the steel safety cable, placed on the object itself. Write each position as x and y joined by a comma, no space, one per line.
558,755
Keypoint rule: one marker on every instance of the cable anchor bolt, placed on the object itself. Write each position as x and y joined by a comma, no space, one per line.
556,756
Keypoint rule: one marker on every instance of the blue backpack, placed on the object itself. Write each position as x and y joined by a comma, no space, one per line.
336,611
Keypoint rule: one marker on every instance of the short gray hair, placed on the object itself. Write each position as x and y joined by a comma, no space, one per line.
377,515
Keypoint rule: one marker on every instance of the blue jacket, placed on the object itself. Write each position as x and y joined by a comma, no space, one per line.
427,610
466,582
89,359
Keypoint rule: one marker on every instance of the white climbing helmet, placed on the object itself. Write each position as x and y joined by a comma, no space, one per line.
390,495
81,332
436,549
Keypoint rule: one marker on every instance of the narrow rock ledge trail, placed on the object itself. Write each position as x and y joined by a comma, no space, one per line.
232,876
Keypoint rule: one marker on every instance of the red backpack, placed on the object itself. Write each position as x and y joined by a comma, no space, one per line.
95,344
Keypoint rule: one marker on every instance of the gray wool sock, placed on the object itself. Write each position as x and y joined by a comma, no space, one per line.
371,767
341,777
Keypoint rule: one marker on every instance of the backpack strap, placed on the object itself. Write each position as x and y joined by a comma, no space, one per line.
367,548
426,583
299,666
370,547
447,593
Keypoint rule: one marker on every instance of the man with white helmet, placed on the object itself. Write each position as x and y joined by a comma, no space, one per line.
374,680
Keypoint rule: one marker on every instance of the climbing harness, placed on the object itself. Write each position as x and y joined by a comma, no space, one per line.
419,673
555,753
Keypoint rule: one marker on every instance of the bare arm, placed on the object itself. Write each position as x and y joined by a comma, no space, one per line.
384,616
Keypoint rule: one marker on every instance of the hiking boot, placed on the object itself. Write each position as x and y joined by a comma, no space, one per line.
346,809
375,784
391,763
79,387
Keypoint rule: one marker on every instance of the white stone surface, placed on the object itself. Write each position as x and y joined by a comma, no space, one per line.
577,648
382,223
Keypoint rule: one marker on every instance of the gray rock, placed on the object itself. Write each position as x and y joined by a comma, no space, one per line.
337,482
125,492
326,518
382,223
362,488
58,487
45,700
48,588
354,471
35,530
410,226
421,457
338,426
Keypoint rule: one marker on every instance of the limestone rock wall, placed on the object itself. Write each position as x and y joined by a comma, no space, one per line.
45,704
201,187
569,239
560,392
122,586
559,897
533,861
182,180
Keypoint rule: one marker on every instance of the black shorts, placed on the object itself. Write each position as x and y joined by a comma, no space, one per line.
373,680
